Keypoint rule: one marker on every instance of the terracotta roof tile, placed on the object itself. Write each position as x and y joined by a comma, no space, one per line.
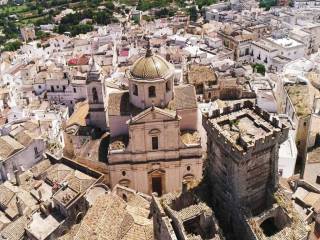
184,98
119,104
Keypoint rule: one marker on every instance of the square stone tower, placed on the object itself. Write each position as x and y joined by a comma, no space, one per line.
243,143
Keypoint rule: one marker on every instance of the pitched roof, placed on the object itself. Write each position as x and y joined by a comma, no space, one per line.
24,138
184,98
5,196
79,115
161,112
199,74
9,146
119,104
15,230
112,218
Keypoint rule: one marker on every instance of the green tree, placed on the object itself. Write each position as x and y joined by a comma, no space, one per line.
202,3
81,28
193,12
102,17
259,68
12,46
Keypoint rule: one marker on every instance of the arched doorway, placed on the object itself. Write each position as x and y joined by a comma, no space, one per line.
157,181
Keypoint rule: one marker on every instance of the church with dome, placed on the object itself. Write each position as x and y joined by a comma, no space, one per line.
154,142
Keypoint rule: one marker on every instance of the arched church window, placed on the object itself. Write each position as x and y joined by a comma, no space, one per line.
168,87
95,95
152,91
135,90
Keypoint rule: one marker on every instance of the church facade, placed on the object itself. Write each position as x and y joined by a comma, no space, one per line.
154,143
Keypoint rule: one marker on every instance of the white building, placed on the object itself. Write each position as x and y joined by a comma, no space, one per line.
306,3
288,151
276,53
19,152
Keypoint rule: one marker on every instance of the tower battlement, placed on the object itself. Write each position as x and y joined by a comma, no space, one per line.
245,128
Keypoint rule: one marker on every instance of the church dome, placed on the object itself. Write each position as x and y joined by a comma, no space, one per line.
151,67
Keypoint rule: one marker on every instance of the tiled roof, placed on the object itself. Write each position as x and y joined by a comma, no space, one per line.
15,230
184,98
109,218
119,104
58,173
40,167
5,196
79,181
199,74
24,138
8,147
79,115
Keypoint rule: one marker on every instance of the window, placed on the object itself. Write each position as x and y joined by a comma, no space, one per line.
124,197
124,173
64,88
36,153
135,90
39,86
74,90
168,87
95,95
152,91
155,143
52,89
188,168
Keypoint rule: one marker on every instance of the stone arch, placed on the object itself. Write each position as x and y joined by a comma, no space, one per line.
125,182
79,217
189,178
103,149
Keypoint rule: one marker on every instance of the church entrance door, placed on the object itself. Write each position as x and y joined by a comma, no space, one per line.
157,185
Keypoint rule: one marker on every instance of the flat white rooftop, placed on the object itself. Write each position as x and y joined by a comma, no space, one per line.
285,42
41,227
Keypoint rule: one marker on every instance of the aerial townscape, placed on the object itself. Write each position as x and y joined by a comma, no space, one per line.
160,120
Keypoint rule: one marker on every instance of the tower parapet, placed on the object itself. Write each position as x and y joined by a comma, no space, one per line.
245,128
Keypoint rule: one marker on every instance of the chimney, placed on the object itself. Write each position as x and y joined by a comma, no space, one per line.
184,186
17,176
40,194
19,206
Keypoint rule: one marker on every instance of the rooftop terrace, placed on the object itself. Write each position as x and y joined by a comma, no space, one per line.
244,126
